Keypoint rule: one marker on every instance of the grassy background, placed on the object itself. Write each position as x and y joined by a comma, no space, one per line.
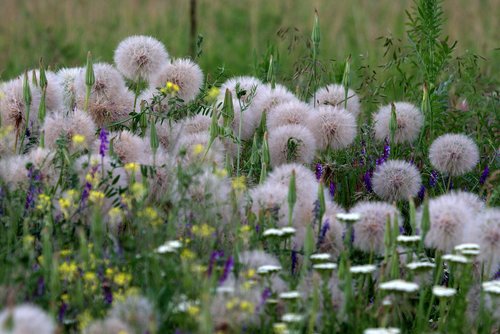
236,33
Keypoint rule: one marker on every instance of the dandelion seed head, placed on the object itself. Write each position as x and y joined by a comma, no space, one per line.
147,95
67,78
184,73
296,136
13,107
107,326
130,147
13,170
245,83
26,318
140,57
135,311
249,121
448,219
54,93
288,113
454,154
369,230
272,198
468,199
268,98
334,95
409,122
189,144
59,125
334,127
396,180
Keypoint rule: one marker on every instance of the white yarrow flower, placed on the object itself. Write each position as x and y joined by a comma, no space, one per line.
325,266
390,330
348,217
273,232
492,287
421,266
290,295
455,258
292,317
463,247
363,269
399,286
408,239
443,292
268,269
320,257
288,231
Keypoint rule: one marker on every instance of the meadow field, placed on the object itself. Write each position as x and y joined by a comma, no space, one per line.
249,166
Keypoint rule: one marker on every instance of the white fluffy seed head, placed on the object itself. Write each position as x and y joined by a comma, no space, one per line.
245,83
291,143
67,78
288,113
110,100
448,219
454,154
270,198
249,121
191,143
7,142
334,95
129,147
369,230
184,73
305,180
147,95
333,127
268,97
107,326
26,319
76,122
396,180
467,199
13,170
54,94
140,57
332,241
409,122
13,107
135,311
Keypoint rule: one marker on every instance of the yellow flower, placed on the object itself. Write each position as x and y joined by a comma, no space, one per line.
212,94
245,229
28,240
220,172
138,191
238,183
250,273
132,167
122,279
203,230
65,252
96,197
90,277
64,204
109,272
115,215
68,270
151,215
43,203
78,139
193,310
170,88
65,297
198,149
247,306
84,319
247,285
280,328
187,255
93,179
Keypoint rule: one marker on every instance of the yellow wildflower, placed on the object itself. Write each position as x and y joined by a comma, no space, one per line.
247,285
28,241
115,215
109,272
96,197
203,230
247,306
250,273
170,88
84,319
43,203
212,94
78,140
90,277
132,167
122,279
65,297
220,173
232,303
151,215
193,310
65,252
138,191
68,270
280,328
198,149
238,183
187,255
245,229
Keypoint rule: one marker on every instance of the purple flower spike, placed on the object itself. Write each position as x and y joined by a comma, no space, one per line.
227,269
433,179
103,136
214,257
294,261
367,180
319,171
332,189
484,175
324,229
421,193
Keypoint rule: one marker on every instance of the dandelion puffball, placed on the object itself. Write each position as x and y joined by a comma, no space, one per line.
409,121
396,180
108,326
288,113
485,230
130,147
268,97
59,125
272,198
246,85
182,72
67,77
135,311
25,319
54,92
448,218
140,57
333,127
369,230
334,95
305,180
13,107
454,154
291,143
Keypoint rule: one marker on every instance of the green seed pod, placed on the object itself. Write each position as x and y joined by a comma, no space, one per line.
292,197
228,109
89,71
393,123
153,139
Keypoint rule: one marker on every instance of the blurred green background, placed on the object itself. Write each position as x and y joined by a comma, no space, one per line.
235,32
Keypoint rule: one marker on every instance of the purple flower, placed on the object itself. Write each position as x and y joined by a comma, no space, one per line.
294,261
108,294
497,275
324,229
433,179
484,175
227,269
88,186
34,188
387,150
213,257
319,171
421,193
367,180
363,152
103,136
62,312
332,189
264,297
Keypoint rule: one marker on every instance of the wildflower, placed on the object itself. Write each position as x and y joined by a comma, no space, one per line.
334,95
26,318
486,232
183,73
203,230
43,203
272,232
129,147
331,190
247,306
268,269
138,191
367,180
421,266
131,167
443,292
455,258
396,180
492,287
243,88
320,257
319,171
287,231
212,94
103,137
290,143
455,154
484,175
363,269
188,255
78,139
68,270
408,239
335,128
96,197
227,269
399,286
290,295
291,318
280,328
140,57
351,217
409,122
325,266
122,279
390,330
151,215
467,246
169,247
